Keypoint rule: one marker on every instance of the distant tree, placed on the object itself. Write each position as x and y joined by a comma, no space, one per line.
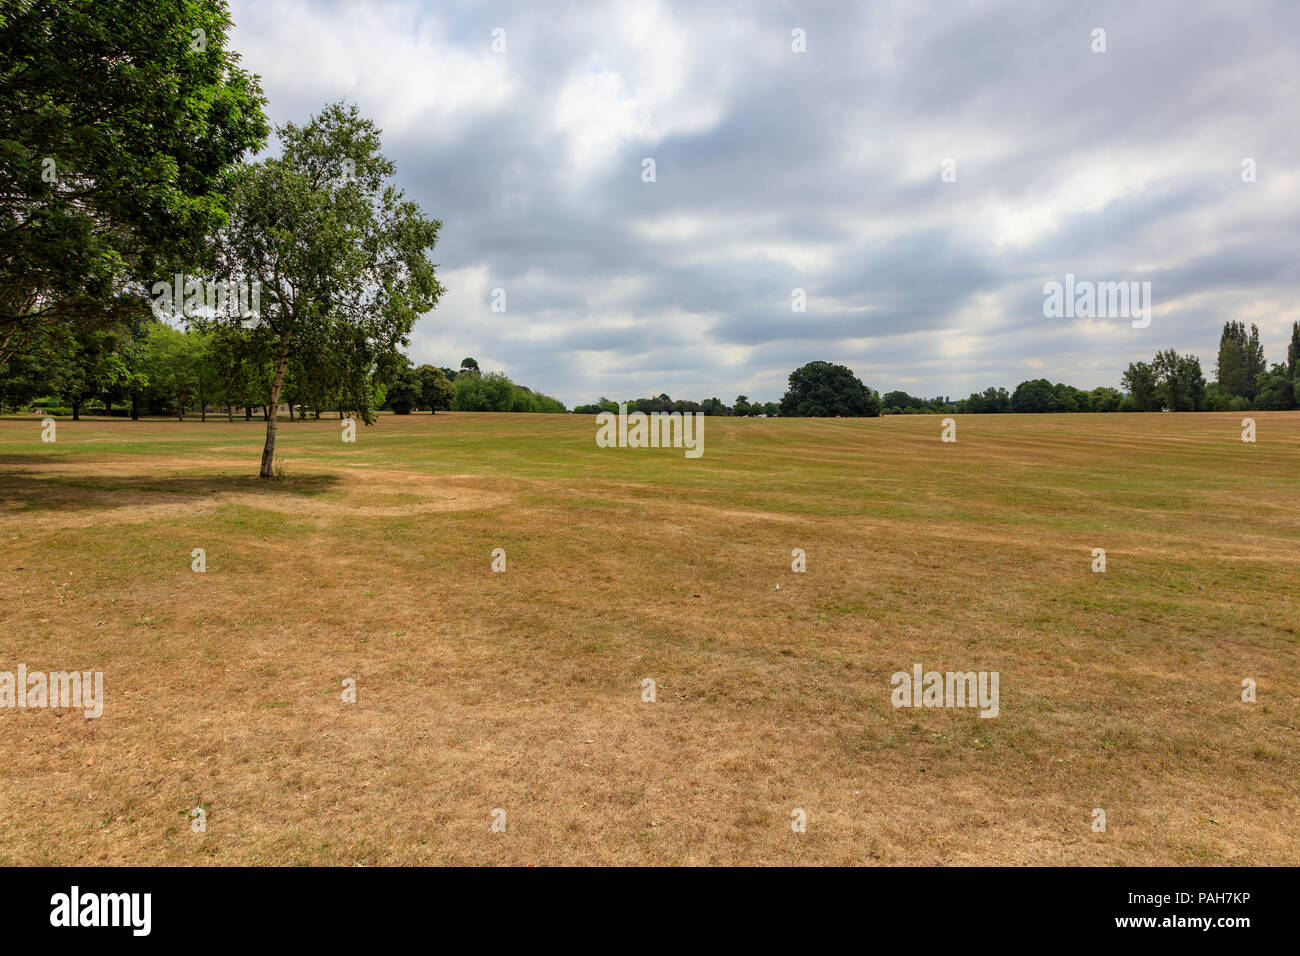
742,406
714,406
1105,399
1215,399
894,402
1036,395
240,379
823,390
1071,399
403,394
1255,364
470,395
436,390
1230,369
172,364
1293,353
125,386
1180,386
498,392
469,365
990,401
24,378
1140,381
1241,360
82,362
1274,390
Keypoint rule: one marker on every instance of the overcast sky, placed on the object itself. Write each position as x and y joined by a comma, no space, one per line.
819,170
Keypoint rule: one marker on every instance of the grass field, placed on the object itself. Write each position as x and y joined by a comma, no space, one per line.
522,690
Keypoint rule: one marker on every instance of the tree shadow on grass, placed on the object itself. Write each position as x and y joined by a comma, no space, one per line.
27,491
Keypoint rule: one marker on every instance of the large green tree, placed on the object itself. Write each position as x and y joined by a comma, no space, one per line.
341,255
1035,395
117,121
404,393
823,390
173,364
1240,361
1140,381
1180,385
436,390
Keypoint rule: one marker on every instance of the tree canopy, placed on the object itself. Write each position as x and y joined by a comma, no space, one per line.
119,122
342,257
823,390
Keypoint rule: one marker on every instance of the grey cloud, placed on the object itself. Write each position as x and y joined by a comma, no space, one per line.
821,170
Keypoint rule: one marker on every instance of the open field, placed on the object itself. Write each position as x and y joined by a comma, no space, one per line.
522,690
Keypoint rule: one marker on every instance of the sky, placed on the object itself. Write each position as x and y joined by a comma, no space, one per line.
920,170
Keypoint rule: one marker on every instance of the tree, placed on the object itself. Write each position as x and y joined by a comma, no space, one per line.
1241,360
1106,399
81,362
1255,364
498,392
238,378
115,130
436,391
404,394
341,254
713,406
470,396
128,354
823,390
742,406
1179,384
1274,390
1071,399
1036,395
172,363
990,401
1230,369
1140,380
895,401
23,378
469,365
1293,353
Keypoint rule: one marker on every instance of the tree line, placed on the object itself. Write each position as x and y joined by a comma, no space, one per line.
432,389
149,367
1170,381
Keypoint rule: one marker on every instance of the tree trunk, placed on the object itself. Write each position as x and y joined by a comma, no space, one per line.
230,412
268,452
248,413
135,407
180,408
76,410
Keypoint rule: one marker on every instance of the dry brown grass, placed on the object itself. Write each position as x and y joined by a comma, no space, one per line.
522,690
